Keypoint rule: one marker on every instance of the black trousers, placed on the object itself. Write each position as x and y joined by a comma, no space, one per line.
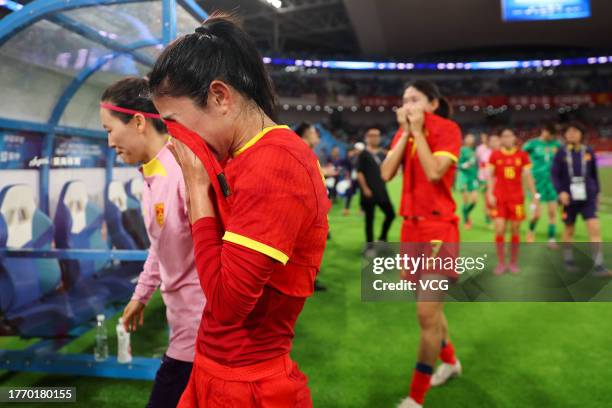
369,206
170,382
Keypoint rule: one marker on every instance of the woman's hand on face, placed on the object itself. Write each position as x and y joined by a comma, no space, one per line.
402,119
417,121
193,170
197,182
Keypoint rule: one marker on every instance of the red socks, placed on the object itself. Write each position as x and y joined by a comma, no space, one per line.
420,384
421,378
447,353
514,249
500,245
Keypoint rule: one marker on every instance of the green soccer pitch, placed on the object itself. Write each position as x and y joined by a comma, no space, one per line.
362,354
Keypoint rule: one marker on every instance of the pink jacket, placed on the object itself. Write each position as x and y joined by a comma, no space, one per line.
170,263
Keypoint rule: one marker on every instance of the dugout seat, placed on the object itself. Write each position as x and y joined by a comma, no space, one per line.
78,224
31,299
133,217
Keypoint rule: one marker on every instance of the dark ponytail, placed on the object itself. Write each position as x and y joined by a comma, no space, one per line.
132,93
432,92
219,49
301,129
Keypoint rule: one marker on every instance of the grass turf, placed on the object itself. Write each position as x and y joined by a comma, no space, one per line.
361,354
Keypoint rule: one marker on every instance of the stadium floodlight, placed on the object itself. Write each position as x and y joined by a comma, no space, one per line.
538,65
275,3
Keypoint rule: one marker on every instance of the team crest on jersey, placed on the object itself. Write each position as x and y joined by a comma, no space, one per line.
159,214
517,162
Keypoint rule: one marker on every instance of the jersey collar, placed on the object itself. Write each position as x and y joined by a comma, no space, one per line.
256,138
155,167
577,146
508,151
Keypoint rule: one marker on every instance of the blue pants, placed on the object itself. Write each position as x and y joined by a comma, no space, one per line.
588,210
170,382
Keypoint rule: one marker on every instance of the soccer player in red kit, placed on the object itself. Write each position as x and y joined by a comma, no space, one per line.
509,166
427,146
259,217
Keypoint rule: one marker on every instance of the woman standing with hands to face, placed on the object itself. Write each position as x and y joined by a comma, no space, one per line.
258,208
427,145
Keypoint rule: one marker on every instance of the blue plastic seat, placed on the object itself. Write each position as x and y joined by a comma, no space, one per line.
116,205
125,226
78,224
31,297
133,215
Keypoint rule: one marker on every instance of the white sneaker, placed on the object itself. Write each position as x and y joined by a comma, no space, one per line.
409,403
444,372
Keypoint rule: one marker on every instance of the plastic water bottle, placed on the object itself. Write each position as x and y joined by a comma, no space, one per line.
101,347
124,350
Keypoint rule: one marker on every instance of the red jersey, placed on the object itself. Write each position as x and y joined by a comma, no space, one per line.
508,168
421,198
275,234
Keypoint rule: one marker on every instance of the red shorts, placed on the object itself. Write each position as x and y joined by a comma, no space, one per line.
430,238
275,383
509,210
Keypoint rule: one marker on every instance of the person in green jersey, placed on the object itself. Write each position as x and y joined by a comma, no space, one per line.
542,150
467,178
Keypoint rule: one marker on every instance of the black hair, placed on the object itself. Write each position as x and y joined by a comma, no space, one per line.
550,127
432,92
132,93
219,49
576,125
301,129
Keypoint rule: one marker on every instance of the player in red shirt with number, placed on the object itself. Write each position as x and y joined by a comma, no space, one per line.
427,146
258,208
508,167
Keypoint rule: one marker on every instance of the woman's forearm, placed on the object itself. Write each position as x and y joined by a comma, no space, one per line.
430,163
200,204
232,277
392,162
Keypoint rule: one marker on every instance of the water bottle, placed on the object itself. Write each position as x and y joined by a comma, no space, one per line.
124,350
101,347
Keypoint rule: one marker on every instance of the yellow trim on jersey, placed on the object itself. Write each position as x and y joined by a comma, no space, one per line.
258,136
508,151
256,246
153,168
446,154
527,166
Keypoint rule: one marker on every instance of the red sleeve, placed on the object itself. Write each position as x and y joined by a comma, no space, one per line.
396,138
232,277
273,199
448,141
492,159
526,161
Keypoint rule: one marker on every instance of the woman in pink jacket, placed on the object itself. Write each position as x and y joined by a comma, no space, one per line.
139,136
